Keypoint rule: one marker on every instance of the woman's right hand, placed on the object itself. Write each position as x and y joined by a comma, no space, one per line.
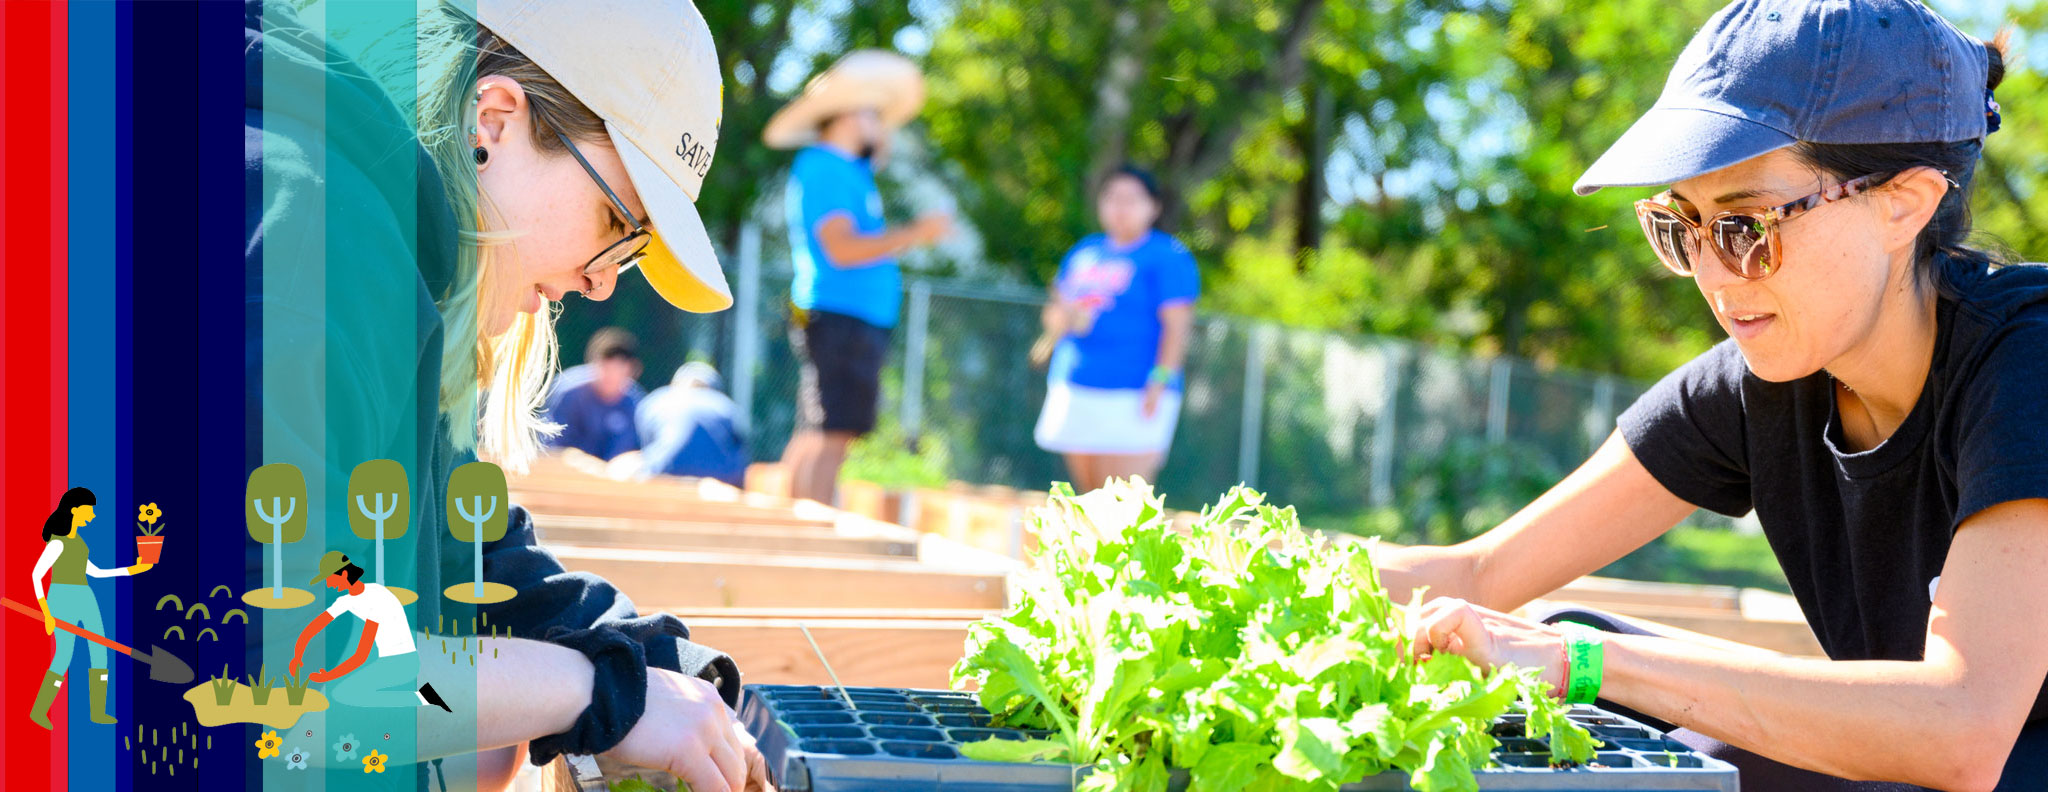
49,622
687,731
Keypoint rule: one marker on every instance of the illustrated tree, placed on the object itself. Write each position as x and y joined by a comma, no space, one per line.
382,508
477,505
276,514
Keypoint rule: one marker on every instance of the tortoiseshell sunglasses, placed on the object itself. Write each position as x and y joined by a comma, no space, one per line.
1746,240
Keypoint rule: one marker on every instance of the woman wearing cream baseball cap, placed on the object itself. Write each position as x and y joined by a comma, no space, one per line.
557,144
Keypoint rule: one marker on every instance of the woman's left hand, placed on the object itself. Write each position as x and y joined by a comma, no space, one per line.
1150,406
140,568
1487,637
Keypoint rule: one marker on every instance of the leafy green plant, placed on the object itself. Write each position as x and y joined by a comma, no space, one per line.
1249,653
223,687
260,685
884,457
295,689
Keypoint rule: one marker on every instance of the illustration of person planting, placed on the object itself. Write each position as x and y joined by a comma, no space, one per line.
381,672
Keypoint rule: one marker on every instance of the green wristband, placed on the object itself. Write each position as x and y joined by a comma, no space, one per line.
1586,652
1161,375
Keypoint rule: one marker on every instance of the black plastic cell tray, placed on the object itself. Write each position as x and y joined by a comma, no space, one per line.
894,740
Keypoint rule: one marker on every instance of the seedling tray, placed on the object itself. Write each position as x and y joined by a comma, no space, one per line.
895,740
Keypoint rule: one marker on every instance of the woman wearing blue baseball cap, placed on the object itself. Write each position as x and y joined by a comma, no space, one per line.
1878,405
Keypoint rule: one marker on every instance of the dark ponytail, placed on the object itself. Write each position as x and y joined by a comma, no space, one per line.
59,521
1947,234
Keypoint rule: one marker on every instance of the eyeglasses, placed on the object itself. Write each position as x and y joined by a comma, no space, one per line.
1746,240
627,251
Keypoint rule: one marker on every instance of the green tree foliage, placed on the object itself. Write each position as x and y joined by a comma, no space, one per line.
1400,167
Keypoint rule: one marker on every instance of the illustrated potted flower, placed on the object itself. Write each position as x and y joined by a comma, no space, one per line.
374,763
296,760
150,545
346,748
267,746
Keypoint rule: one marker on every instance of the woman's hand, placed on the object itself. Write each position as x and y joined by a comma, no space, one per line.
140,568
49,622
1488,638
1150,406
687,731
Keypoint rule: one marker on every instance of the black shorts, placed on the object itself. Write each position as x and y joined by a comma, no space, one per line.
842,370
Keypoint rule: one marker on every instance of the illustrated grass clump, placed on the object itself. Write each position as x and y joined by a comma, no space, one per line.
295,689
259,685
223,687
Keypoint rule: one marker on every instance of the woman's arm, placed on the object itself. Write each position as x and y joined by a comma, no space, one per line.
43,564
532,689
847,248
94,571
1947,721
1608,507
1176,323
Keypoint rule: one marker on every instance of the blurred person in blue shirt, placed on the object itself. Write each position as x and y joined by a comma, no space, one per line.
594,402
689,427
1116,332
847,290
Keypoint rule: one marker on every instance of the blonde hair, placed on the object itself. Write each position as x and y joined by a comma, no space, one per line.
508,372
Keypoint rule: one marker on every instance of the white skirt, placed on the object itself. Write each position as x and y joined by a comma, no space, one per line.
1083,420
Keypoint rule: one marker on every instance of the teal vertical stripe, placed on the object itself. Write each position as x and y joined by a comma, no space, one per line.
91,335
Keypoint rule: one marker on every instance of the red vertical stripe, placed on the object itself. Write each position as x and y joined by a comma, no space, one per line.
32,362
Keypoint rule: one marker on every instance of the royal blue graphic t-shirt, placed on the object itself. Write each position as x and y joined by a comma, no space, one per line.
1126,287
824,181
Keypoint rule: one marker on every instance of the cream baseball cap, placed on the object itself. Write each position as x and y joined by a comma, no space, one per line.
649,69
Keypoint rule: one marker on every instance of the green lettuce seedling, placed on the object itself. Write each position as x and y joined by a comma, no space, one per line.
1247,652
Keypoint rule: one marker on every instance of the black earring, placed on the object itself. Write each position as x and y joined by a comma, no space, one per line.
481,155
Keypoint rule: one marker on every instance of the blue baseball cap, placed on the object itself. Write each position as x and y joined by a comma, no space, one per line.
1765,74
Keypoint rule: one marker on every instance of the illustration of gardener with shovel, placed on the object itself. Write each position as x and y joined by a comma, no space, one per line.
70,600
386,662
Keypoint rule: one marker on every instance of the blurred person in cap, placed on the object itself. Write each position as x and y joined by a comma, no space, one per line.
550,147
847,291
594,402
1878,404
689,427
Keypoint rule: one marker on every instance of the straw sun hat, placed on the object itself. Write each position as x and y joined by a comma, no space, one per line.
883,81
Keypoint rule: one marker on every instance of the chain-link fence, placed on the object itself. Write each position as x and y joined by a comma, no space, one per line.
1435,445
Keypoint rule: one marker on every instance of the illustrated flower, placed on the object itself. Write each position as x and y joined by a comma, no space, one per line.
148,513
267,747
374,763
346,748
296,760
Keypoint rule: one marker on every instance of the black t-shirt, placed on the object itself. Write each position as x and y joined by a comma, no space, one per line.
1862,536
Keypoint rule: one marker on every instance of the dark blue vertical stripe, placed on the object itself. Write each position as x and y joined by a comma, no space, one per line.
180,410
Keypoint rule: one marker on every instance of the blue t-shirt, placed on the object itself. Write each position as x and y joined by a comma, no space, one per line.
588,424
824,182
1126,287
692,431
